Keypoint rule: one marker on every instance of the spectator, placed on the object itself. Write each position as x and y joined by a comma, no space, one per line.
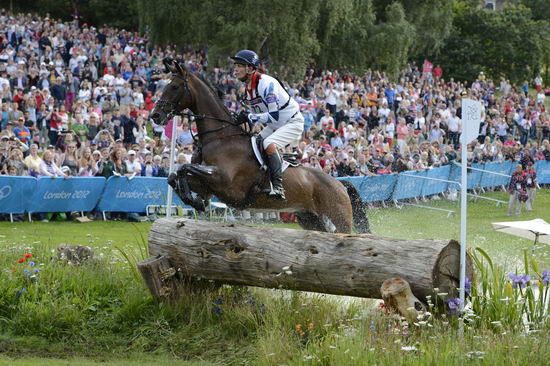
518,190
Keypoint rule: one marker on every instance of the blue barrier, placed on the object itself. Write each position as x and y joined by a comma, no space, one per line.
119,194
15,194
455,175
492,180
431,187
543,171
474,176
408,186
134,195
63,195
375,188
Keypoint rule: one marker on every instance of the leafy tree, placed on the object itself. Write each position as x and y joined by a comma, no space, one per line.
506,43
391,42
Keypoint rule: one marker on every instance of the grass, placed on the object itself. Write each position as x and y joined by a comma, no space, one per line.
101,313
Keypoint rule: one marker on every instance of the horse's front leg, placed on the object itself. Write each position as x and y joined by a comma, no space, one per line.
194,178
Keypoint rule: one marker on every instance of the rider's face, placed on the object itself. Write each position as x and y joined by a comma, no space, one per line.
240,71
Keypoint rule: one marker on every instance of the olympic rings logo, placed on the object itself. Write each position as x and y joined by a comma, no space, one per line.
5,191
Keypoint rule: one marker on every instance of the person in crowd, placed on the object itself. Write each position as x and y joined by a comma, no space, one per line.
33,160
48,167
517,187
531,185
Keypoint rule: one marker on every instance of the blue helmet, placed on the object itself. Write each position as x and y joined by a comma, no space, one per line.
247,57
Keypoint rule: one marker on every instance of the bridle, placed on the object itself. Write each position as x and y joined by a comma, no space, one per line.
177,110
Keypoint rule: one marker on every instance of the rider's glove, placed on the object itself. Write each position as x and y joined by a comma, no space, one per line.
253,117
242,117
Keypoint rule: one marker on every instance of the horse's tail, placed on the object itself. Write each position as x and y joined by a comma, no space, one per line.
359,208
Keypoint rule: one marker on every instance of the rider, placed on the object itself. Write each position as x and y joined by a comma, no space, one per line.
270,105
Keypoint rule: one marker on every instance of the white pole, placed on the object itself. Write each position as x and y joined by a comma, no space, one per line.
463,217
175,121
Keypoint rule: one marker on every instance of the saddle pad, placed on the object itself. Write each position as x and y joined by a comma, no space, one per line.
260,159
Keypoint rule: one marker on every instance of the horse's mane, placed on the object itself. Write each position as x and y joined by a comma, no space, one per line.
216,91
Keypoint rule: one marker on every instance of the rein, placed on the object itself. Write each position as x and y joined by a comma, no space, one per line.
175,106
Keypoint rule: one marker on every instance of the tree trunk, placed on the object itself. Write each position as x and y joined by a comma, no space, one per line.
339,264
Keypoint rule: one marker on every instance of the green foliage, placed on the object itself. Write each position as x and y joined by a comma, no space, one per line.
506,43
391,42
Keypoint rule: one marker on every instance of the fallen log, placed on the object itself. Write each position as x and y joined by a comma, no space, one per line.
339,264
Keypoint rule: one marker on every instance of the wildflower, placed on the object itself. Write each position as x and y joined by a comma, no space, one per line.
32,264
218,301
467,286
26,272
519,280
20,292
22,260
36,270
545,277
27,255
454,303
217,310
409,348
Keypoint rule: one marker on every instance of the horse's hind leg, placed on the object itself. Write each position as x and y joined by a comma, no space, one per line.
335,216
310,221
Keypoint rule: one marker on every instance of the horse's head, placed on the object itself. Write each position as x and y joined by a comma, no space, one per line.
176,96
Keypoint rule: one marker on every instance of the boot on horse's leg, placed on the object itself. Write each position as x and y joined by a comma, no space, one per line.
274,163
182,189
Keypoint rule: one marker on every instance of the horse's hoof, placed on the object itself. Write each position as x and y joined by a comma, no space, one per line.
172,179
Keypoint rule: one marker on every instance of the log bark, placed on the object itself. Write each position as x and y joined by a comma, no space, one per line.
339,264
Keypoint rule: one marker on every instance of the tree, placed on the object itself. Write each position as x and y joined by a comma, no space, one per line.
391,42
506,43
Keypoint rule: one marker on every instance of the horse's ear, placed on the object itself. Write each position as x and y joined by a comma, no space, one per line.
180,69
169,64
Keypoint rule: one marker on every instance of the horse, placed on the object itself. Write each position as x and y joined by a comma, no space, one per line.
225,165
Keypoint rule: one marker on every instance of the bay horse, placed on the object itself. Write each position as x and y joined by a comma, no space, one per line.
224,164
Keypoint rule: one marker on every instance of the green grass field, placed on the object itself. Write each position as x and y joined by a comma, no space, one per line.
102,314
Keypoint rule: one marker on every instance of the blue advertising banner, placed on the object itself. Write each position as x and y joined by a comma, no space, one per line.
375,188
134,195
15,193
543,171
433,186
492,180
474,176
63,195
408,186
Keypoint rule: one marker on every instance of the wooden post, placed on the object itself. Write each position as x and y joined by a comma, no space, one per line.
160,278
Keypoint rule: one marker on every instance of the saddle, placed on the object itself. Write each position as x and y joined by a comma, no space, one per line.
289,159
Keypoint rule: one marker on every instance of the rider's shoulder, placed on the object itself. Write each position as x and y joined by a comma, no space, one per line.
266,80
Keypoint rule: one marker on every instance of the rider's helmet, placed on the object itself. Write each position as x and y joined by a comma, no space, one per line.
246,57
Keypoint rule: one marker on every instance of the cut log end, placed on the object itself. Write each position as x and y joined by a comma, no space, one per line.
446,272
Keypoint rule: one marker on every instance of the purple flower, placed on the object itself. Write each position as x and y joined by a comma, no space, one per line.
36,270
31,264
218,301
467,286
545,277
454,303
519,280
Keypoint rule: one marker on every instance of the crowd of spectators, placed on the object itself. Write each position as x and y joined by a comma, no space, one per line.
75,101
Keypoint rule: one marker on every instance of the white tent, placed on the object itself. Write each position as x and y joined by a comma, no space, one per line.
537,229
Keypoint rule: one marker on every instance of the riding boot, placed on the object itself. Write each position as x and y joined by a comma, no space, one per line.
276,174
